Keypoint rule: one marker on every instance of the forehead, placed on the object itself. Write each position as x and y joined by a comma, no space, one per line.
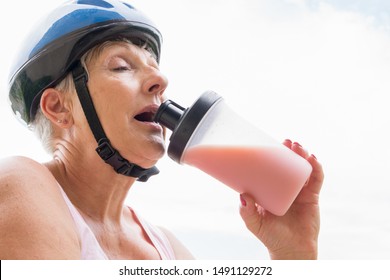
108,47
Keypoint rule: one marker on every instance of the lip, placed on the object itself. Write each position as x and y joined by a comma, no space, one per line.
146,115
150,109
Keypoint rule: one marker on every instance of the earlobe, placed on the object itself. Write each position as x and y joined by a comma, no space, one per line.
54,106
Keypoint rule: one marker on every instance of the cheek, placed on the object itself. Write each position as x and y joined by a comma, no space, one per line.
112,99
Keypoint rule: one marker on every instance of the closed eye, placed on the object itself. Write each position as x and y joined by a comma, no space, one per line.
119,64
122,68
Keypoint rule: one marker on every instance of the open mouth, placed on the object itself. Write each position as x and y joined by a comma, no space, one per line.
145,117
147,114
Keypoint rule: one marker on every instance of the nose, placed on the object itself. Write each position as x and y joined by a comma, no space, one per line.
155,82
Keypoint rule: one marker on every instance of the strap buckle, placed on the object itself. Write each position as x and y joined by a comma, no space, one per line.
120,164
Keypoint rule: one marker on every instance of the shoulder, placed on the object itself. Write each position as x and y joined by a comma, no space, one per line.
21,176
24,178
11,165
31,202
181,252
20,170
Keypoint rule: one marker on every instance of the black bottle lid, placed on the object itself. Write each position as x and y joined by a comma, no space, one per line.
183,122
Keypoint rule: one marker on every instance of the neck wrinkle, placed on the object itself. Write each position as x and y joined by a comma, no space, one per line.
96,190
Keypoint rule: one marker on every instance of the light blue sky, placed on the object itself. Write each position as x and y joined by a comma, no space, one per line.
313,71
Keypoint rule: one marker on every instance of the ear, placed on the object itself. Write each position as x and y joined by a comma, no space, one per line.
55,106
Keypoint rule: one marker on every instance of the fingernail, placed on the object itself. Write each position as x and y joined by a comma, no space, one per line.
296,143
243,201
288,140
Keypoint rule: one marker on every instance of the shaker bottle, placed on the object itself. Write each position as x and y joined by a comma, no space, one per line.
210,136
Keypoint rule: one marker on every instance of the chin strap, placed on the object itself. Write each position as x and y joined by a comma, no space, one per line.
105,150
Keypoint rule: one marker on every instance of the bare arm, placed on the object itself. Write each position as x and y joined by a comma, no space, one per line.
34,222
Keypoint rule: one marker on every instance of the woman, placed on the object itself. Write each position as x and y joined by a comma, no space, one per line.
88,82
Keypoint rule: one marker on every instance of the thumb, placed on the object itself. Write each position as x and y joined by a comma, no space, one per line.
250,213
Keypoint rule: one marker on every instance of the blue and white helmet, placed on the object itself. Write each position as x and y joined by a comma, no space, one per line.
63,37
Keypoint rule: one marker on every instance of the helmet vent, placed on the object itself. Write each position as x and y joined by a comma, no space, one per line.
128,5
102,4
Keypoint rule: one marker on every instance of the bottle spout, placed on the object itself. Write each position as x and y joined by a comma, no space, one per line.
169,114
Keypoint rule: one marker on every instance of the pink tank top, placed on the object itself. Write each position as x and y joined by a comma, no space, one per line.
90,248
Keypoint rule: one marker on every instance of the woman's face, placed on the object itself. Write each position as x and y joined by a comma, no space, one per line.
127,88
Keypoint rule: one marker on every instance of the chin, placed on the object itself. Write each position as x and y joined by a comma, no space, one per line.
152,156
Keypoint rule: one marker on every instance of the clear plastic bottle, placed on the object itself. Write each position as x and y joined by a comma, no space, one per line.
210,136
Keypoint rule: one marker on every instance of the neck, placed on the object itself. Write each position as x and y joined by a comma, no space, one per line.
94,187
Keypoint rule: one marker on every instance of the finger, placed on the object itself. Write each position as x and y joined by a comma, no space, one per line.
249,213
317,175
297,148
287,143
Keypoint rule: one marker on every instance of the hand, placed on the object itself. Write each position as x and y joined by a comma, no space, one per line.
294,235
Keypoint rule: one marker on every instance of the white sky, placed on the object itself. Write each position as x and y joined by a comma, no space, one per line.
316,72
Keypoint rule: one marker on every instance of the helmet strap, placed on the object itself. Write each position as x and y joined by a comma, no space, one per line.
105,150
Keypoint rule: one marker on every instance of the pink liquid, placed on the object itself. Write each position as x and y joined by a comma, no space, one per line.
272,175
